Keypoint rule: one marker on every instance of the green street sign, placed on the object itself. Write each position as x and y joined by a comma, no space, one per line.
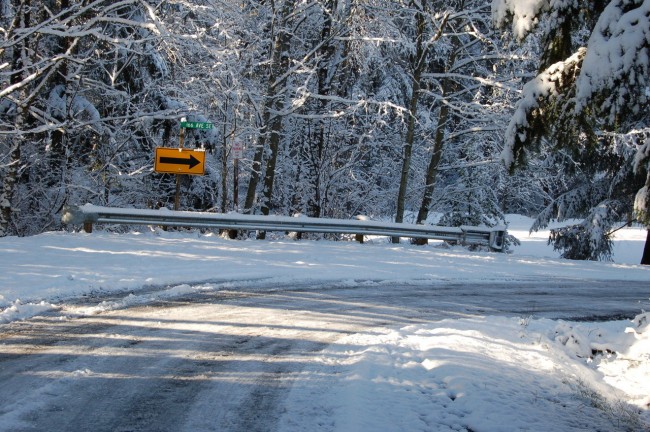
196,125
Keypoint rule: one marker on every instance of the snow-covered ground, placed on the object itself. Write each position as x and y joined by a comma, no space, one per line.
479,373
483,374
38,271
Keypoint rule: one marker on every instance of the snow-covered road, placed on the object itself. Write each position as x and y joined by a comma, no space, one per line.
217,360
187,331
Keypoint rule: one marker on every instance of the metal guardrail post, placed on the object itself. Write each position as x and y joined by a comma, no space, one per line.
76,216
497,239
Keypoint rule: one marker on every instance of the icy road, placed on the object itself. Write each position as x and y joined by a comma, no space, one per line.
218,360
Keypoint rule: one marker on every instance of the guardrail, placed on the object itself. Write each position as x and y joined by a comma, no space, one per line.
89,214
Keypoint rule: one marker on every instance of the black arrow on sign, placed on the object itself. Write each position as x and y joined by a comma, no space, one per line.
191,162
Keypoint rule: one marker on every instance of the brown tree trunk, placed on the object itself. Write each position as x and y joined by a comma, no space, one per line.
272,123
8,188
438,145
256,168
418,67
11,174
432,170
280,65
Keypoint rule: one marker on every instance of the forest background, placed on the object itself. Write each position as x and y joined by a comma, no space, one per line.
388,108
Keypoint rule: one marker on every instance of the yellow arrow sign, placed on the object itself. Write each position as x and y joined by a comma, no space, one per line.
179,161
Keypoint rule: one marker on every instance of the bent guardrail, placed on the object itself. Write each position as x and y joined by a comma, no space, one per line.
89,214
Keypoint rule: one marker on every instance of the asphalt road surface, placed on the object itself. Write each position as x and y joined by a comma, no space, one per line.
226,360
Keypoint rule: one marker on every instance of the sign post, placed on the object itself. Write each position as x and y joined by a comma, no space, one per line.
181,161
237,153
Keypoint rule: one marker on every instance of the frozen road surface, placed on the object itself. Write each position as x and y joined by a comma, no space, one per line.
226,360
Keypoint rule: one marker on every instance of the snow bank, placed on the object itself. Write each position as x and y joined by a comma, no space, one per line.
17,310
488,374
56,266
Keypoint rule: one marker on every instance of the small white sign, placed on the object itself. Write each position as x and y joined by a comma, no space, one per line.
237,150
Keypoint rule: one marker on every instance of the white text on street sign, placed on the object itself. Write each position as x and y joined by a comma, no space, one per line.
196,125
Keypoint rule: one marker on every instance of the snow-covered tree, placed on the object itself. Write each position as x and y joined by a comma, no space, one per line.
474,82
588,103
90,88
57,95
329,112
343,105
428,27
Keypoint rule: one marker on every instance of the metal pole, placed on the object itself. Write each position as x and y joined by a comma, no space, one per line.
235,182
177,197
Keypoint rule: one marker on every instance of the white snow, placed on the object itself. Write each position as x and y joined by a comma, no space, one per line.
491,374
541,88
474,374
524,14
642,202
617,52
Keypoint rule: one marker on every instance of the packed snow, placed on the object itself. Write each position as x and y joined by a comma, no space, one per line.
490,373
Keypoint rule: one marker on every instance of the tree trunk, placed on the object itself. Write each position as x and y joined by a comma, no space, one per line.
432,170
8,188
438,146
326,71
280,66
272,123
408,151
645,260
418,63
256,168
224,159
20,56
58,136
272,120
274,144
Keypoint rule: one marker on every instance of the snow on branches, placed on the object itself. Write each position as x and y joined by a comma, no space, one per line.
617,61
589,97
524,14
642,204
548,85
608,77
